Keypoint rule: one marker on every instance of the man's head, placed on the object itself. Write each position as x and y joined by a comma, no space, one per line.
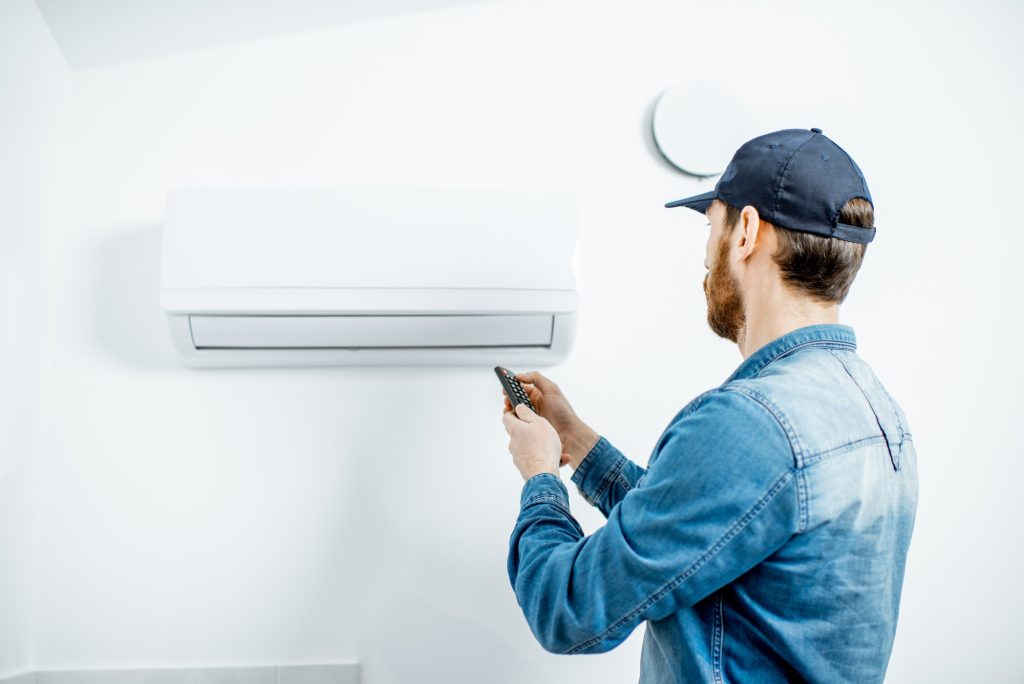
790,220
746,253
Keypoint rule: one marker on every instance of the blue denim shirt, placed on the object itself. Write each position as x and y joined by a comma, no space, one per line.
764,542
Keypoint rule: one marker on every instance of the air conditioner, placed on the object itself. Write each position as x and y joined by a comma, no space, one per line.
338,276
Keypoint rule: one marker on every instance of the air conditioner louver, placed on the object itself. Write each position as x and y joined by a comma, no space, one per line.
371,332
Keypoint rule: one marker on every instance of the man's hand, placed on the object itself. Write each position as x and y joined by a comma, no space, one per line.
534,444
576,436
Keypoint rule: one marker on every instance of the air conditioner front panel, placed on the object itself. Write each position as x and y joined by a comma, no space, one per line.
370,332
368,238
323,276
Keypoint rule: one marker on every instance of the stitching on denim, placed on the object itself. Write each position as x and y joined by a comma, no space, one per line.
893,458
849,446
729,535
587,462
580,475
547,498
803,501
780,418
694,404
717,638
895,412
577,482
583,467
824,344
609,477
543,497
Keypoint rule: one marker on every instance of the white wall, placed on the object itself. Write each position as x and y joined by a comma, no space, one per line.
35,88
104,32
310,515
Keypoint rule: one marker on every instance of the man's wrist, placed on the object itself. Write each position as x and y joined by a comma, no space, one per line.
579,443
528,475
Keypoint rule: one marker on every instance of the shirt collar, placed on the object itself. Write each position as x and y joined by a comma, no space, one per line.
829,335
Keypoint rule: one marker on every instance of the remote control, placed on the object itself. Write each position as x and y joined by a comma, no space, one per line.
514,390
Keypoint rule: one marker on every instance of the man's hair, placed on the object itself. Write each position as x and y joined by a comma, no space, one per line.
820,267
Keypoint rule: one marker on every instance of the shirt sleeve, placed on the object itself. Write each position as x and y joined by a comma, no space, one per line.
719,496
605,475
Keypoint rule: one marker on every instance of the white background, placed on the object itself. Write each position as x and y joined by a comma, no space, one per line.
316,515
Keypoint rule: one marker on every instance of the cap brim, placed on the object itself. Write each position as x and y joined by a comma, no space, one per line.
697,202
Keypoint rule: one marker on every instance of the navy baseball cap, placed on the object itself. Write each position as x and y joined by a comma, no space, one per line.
796,179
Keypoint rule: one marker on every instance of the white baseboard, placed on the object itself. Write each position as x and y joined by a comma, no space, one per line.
26,678
339,673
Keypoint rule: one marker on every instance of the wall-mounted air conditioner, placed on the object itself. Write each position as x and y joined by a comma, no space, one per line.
332,276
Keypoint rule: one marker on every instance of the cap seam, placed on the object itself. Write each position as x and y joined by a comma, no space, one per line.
858,174
782,175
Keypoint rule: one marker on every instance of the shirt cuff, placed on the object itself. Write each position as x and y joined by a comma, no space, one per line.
544,487
597,470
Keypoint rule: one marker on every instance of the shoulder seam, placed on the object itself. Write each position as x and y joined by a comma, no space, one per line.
780,419
690,407
796,450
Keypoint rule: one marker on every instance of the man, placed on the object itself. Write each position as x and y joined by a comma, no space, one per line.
766,539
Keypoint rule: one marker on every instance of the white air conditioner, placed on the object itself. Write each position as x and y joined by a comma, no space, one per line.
333,276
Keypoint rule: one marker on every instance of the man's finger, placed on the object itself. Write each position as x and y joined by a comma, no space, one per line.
535,378
508,418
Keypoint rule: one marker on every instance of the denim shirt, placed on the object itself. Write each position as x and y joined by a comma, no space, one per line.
764,542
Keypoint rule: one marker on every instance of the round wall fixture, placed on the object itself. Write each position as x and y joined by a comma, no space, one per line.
698,125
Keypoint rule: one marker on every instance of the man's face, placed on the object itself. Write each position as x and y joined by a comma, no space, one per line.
725,300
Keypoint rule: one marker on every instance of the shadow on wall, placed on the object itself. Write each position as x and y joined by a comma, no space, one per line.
412,630
129,322
424,590
370,569
648,139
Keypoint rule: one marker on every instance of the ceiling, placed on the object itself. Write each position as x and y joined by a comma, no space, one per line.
94,33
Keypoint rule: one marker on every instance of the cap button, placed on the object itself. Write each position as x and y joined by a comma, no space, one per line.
815,130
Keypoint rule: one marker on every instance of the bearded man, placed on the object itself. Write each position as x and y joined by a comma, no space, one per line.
766,539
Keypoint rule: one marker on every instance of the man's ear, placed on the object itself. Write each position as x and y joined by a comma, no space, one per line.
750,228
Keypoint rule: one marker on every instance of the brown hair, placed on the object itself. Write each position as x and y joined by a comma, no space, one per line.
817,266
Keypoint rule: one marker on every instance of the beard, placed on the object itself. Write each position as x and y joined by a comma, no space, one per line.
725,301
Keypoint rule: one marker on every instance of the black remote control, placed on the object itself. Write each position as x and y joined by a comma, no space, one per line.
514,390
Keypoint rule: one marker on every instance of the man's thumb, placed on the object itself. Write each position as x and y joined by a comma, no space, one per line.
524,412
